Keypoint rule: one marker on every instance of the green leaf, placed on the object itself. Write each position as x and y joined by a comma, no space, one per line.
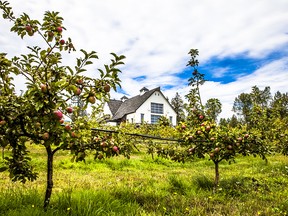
101,72
88,62
81,70
115,56
84,52
107,68
2,169
70,70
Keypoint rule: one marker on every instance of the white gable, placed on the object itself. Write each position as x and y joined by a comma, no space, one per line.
107,110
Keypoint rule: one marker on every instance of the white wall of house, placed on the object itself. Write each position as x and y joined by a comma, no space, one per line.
145,110
106,110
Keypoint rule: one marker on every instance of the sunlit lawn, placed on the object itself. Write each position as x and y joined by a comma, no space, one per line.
142,186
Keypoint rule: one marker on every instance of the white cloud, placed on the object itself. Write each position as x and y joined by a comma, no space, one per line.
156,36
219,72
274,75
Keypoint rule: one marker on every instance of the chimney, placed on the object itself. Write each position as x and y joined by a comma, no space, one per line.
123,98
143,90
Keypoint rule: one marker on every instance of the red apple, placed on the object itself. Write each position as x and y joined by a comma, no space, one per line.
45,136
73,134
208,128
2,122
115,148
62,42
240,139
28,28
216,150
92,99
199,132
69,109
43,87
79,81
201,117
68,127
211,155
61,121
59,29
246,136
103,144
58,114
77,91
229,147
107,88
183,126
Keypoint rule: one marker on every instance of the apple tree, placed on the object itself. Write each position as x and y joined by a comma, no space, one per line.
279,109
202,137
11,133
37,116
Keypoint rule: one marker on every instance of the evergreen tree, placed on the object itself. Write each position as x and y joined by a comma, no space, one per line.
213,108
178,105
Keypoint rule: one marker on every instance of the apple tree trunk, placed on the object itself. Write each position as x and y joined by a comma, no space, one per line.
49,184
216,181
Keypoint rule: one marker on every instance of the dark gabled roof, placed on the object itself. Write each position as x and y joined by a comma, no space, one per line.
114,105
132,104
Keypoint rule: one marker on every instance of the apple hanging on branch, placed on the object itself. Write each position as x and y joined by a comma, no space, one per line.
50,88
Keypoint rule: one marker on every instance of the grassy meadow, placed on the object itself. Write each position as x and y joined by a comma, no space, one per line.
142,186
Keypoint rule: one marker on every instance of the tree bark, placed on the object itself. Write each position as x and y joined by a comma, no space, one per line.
49,184
216,181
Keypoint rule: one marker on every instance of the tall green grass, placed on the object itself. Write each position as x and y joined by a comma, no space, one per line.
142,186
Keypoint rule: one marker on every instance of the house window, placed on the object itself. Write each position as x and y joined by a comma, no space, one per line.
142,117
171,118
157,108
154,118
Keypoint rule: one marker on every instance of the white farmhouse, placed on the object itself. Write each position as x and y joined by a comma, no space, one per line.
148,106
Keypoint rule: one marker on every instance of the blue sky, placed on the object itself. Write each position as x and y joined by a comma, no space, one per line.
241,43
228,69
